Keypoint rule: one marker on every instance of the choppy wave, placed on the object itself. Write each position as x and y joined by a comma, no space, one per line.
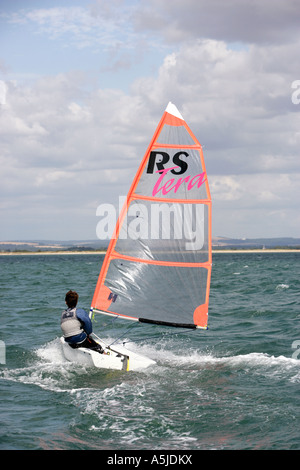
50,370
234,386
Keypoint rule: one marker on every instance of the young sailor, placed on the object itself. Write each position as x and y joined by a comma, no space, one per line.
77,326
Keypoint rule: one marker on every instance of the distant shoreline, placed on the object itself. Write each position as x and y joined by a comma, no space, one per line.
60,252
103,252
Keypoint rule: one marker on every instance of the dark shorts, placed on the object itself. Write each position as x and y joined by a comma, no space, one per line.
88,343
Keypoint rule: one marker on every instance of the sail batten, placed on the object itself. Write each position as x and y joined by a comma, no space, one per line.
157,268
159,263
171,146
183,201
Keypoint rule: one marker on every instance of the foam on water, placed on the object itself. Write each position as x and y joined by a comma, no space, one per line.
138,406
50,370
47,369
234,386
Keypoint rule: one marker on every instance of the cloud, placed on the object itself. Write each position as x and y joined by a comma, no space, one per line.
66,146
74,23
102,28
235,100
83,147
63,147
233,21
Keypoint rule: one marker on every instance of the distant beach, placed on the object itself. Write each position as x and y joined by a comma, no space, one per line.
102,252
258,250
13,253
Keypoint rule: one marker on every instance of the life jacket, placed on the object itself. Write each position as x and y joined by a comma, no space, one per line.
70,324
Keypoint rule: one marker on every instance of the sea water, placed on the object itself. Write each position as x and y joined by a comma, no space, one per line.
234,386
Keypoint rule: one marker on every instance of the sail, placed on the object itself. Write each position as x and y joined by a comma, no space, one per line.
157,267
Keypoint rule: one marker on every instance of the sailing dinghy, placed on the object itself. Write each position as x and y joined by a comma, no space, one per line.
157,268
119,358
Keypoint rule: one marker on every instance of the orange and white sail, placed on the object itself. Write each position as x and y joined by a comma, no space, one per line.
157,268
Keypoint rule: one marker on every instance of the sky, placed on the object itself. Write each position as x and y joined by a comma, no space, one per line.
84,83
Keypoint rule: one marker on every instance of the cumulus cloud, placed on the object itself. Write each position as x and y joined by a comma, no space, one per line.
66,147
233,21
62,147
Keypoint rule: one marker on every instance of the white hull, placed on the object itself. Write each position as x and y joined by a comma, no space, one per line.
116,359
